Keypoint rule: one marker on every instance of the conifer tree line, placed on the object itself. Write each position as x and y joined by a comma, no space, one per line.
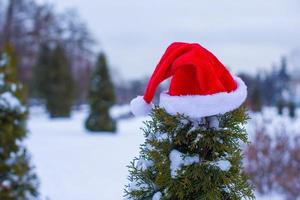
44,25
18,180
273,88
56,62
54,84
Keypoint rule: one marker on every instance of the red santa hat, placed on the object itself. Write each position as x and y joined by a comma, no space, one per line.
200,85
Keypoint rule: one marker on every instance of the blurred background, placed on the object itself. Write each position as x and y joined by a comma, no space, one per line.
81,62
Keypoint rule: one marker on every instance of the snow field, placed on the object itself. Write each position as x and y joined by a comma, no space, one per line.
74,164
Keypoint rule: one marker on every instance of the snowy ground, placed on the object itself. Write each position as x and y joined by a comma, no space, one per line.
76,165
275,123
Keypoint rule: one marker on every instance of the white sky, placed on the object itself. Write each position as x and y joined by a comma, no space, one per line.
246,35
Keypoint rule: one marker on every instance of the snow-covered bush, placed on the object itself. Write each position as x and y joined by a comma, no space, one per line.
17,180
273,160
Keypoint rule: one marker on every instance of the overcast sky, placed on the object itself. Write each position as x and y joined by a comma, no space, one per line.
245,35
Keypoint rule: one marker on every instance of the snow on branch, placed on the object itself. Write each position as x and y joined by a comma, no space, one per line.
178,160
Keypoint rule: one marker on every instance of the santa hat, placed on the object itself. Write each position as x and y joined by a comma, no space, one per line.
200,85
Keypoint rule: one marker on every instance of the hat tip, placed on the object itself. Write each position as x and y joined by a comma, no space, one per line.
139,107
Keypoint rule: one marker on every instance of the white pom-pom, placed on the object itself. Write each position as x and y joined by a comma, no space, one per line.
139,107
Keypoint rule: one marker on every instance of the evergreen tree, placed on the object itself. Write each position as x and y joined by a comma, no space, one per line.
292,109
17,179
282,81
53,81
188,159
101,98
256,100
283,75
280,106
41,70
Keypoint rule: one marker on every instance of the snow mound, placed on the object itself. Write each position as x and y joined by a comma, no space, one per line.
223,165
144,164
178,160
9,101
157,196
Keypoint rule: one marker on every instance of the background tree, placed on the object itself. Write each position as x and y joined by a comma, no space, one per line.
101,98
255,97
184,158
41,70
280,106
17,179
53,81
282,82
27,25
292,109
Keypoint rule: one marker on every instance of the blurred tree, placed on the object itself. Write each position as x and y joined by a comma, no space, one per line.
292,109
282,81
101,98
256,96
268,86
188,159
280,106
28,24
61,86
17,179
78,47
40,73
53,81
9,19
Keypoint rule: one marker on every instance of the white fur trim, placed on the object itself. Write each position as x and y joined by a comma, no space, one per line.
139,107
196,106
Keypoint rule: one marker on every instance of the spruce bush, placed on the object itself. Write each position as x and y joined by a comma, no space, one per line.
191,159
17,178
101,98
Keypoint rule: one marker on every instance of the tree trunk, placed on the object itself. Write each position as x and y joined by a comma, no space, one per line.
8,21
